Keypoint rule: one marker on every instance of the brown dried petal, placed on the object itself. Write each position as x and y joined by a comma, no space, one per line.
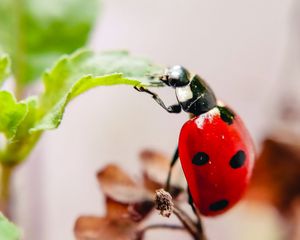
113,174
276,175
95,228
135,211
156,167
139,211
117,185
116,210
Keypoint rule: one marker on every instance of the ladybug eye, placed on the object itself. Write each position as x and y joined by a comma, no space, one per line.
176,76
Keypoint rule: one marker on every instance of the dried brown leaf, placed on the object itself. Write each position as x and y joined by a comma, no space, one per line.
127,203
113,174
276,175
118,186
139,211
155,167
95,228
115,210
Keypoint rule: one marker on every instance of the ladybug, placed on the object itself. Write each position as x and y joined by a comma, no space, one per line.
215,149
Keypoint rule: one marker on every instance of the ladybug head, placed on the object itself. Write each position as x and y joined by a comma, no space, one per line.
176,76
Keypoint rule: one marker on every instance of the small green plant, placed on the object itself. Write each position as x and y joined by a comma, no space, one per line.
35,35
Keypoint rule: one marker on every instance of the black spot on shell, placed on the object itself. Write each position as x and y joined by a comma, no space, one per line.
238,160
200,159
226,115
219,205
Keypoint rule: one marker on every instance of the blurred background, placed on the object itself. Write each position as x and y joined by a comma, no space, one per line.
247,51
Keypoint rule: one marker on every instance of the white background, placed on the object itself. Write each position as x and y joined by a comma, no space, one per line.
238,46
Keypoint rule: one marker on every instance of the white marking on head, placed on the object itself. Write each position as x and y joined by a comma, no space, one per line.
184,93
208,116
175,75
173,72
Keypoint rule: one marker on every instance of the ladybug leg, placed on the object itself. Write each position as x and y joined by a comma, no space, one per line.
176,108
191,203
174,160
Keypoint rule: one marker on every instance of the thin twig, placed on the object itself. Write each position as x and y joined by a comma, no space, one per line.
165,205
195,229
142,232
200,226
197,214
187,222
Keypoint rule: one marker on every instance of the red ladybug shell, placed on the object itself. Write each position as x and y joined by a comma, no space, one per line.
217,157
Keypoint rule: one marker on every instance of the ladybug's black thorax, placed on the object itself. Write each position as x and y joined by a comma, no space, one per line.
226,114
196,97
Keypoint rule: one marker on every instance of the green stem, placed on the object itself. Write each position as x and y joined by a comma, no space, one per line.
6,172
20,47
19,90
19,150
12,155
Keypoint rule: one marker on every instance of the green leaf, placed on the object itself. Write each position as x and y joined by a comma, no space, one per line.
4,67
12,114
8,231
36,33
83,70
17,150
